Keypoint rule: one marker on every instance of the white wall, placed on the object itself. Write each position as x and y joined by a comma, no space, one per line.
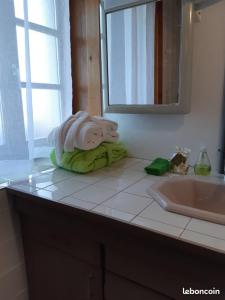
13,285
149,136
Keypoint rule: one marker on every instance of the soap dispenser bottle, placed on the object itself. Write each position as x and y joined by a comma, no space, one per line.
203,166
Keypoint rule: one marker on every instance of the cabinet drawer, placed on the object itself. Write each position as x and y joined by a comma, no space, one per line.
118,288
164,270
63,238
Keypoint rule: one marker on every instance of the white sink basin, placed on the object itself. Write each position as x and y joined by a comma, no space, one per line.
191,196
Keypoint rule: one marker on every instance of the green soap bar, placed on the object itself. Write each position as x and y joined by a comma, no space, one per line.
158,167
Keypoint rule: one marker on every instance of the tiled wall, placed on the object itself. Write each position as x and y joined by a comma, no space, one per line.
12,271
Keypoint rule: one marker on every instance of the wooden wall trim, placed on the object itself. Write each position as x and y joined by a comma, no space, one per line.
85,55
158,53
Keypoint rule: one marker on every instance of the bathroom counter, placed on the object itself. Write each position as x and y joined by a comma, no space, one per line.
119,192
101,236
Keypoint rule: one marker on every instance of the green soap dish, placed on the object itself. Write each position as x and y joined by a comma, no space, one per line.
158,167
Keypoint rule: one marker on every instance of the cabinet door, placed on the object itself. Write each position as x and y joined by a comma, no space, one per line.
55,275
118,288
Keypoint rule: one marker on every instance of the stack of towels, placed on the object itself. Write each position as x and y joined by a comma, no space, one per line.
84,143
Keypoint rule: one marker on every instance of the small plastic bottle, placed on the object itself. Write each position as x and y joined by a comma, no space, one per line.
203,166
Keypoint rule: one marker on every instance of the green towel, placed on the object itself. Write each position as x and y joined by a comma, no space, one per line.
82,161
158,167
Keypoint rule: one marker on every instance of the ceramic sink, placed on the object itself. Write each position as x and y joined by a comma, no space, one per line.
192,196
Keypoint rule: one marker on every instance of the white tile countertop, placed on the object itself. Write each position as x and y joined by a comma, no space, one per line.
119,192
12,170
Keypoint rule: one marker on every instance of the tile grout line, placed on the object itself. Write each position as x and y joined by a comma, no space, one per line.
121,191
114,195
102,203
185,227
71,175
143,196
205,245
170,235
114,218
67,178
87,185
172,225
151,219
207,235
142,210
31,185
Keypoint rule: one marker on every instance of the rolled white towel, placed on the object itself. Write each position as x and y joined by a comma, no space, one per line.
63,128
111,137
57,137
83,132
109,124
109,128
73,132
90,136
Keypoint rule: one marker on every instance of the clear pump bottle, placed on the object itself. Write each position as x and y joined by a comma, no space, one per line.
203,166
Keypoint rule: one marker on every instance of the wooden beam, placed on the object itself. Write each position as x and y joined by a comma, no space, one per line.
158,52
85,54
93,57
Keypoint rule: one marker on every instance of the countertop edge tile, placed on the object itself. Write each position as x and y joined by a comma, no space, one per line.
203,240
113,213
207,228
158,227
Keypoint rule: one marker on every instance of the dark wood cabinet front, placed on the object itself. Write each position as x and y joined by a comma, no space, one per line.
72,254
56,275
118,288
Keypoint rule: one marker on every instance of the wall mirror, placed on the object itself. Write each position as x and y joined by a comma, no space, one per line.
146,51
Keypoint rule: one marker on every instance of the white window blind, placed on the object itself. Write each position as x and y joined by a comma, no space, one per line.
35,74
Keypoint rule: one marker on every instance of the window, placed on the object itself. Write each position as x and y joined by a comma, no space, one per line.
40,63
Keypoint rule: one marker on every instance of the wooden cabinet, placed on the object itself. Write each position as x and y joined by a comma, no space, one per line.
56,275
118,288
74,254
60,264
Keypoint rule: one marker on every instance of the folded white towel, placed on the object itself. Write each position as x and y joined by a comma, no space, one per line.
111,137
76,135
83,132
73,133
109,124
109,128
90,136
57,136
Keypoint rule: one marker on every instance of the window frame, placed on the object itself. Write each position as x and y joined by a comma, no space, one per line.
17,145
28,84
